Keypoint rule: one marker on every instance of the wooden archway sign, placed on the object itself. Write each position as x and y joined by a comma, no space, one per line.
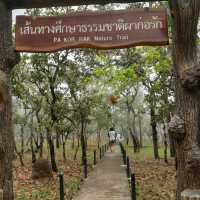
99,30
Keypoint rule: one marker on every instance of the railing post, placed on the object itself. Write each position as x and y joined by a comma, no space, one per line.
100,156
62,193
123,153
133,187
128,170
95,157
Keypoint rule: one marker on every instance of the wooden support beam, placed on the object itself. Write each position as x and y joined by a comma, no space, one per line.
190,195
23,4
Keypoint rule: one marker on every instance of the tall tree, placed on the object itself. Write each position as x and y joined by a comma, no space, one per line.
154,71
185,126
8,59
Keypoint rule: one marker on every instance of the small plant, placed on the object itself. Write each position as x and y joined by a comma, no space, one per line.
39,194
73,185
22,197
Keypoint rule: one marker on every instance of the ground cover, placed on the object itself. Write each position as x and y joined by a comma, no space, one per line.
155,179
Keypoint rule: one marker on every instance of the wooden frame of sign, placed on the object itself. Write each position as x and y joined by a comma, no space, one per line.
100,30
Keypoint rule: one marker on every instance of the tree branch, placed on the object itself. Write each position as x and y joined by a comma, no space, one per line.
20,4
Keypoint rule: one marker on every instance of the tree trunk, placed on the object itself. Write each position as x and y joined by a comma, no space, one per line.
22,139
171,140
84,149
77,147
41,145
52,152
33,156
132,129
20,155
32,147
165,143
154,133
98,138
185,16
136,143
73,140
8,59
40,134
57,140
140,130
172,146
63,145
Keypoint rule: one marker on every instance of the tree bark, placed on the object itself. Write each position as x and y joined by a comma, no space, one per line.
73,140
57,140
98,138
77,147
172,146
40,134
136,143
84,148
22,139
185,16
41,145
140,129
20,155
8,59
63,145
31,141
165,143
154,133
132,129
52,152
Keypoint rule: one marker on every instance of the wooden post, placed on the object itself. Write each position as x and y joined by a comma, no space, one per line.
133,187
190,195
95,157
128,170
1,194
62,193
100,156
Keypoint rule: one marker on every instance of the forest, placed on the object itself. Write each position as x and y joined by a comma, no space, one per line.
64,104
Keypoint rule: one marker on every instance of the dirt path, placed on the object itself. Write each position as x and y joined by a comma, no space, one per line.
108,180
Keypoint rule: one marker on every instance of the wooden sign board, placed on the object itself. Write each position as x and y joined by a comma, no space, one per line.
107,30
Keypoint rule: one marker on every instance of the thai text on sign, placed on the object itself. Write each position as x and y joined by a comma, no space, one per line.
107,30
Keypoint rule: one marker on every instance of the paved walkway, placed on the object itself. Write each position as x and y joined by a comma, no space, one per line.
108,180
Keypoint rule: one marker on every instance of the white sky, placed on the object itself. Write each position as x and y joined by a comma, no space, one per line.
17,12
21,12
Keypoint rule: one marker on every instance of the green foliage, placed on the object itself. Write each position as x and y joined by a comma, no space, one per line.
22,197
73,185
39,194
